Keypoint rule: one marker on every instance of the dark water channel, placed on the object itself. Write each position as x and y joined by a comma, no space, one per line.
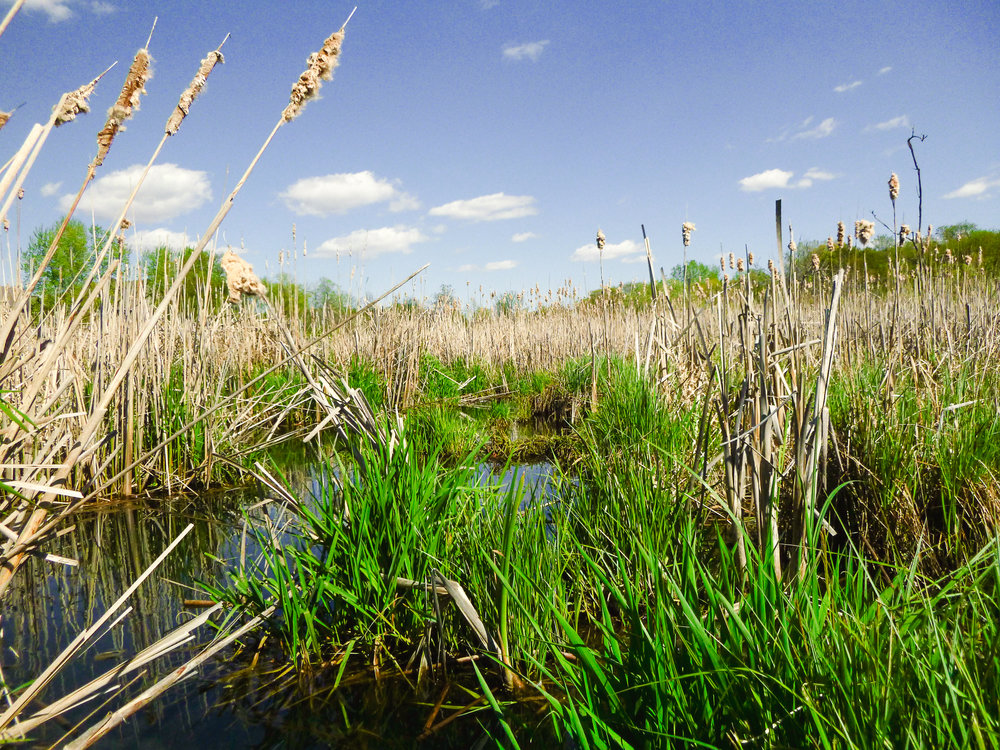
49,604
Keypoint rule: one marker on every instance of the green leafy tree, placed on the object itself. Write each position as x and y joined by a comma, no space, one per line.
73,258
328,295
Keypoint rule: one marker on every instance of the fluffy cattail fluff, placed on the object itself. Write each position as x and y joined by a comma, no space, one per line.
967,260
864,230
739,265
600,240
829,244
75,103
840,233
240,277
750,258
904,232
948,257
128,99
815,262
770,265
732,260
319,67
893,187
792,247
686,228
191,92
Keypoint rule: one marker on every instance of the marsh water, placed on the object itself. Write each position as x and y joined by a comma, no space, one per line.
225,705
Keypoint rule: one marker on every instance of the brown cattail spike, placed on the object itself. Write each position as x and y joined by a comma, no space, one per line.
191,92
600,240
128,100
4,116
840,233
319,68
893,187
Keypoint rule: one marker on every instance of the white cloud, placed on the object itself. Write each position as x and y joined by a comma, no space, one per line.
886,69
527,51
523,237
370,243
846,86
896,122
820,131
500,265
813,174
102,8
623,249
781,178
146,240
488,208
769,178
339,193
168,191
50,188
977,188
467,268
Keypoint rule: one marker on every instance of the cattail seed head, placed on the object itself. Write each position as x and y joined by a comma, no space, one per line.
600,240
750,259
893,187
4,116
770,265
725,278
240,278
904,232
722,262
829,244
967,260
319,68
191,92
850,243
815,262
686,228
128,100
732,260
840,233
739,265
792,247
75,103
864,230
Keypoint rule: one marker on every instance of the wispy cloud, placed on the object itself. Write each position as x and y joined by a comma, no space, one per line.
526,51
977,188
50,188
822,130
847,86
770,179
493,207
523,237
612,250
493,265
62,10
339,193
896,122
370,243
168,191
886,69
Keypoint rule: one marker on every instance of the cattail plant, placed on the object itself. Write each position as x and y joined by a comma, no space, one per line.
829,244
194,88
128,100
893,188
240,278
840,233
864,230
686,228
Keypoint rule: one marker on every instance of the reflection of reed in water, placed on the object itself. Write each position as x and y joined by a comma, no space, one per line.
50,604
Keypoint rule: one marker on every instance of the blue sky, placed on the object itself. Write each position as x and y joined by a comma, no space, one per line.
492,138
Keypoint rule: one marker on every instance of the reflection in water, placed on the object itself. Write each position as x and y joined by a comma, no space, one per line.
49,604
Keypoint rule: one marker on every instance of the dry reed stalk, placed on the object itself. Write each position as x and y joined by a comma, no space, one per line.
10,15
